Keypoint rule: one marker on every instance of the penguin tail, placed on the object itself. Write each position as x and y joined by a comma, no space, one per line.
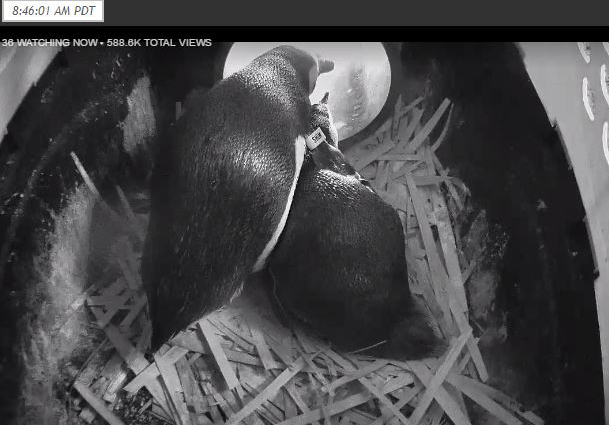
160,335
156,341
414,336
163,333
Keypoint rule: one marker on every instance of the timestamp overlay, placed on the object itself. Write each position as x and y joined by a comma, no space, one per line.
52,10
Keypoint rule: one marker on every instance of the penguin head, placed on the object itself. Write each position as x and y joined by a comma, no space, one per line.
308,65
327,155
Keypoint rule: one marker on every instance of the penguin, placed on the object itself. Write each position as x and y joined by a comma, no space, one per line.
340,269
223,185
326,155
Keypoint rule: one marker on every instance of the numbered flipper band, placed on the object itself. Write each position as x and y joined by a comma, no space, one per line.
315,139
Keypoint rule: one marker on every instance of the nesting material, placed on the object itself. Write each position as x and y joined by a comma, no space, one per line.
239,365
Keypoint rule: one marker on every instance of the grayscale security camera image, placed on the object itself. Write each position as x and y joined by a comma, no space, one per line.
196,232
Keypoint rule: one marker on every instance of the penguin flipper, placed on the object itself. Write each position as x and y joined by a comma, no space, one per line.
282,315
299,154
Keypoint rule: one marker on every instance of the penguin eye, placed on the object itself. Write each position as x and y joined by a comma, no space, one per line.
368,186
365,182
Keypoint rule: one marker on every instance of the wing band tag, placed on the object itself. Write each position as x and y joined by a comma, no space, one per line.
315,139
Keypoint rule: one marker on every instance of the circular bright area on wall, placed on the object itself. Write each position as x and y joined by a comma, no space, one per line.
359,84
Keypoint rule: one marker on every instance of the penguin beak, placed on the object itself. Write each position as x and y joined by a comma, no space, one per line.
325,65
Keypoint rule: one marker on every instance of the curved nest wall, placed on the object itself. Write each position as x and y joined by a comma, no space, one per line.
490,210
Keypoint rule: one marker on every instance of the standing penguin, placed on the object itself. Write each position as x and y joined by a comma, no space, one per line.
223,187
340,264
